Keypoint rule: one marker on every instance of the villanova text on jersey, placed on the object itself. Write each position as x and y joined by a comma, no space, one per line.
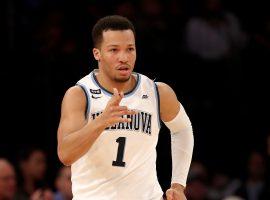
140,122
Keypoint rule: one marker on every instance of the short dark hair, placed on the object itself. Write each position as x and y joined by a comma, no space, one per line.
27,152
112,22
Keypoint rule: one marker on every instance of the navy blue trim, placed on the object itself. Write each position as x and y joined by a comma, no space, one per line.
158,104
138,81
98,85
87,108
135,87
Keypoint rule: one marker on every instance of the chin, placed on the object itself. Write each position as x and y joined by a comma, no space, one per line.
122,79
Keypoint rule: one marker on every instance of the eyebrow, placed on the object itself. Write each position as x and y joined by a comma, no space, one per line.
115,45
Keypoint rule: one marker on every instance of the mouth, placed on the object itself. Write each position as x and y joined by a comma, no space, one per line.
124,70
124,67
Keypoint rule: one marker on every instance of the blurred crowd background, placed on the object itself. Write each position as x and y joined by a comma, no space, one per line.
214,54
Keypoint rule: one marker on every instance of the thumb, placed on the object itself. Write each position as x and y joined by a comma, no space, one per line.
169,194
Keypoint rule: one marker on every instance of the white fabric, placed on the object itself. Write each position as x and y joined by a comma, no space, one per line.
182,143
93,175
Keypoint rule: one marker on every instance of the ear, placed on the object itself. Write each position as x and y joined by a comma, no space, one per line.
96,54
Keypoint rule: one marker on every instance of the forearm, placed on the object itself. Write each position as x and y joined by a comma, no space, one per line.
182,143
182,147
76,144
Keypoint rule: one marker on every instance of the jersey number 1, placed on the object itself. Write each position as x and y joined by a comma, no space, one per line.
120,152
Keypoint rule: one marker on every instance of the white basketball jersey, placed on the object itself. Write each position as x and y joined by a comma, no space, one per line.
121,164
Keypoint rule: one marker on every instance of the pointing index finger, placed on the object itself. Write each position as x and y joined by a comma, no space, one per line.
116,98
122,94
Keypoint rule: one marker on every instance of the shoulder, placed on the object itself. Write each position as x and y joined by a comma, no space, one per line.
74,92
74,98
169,104
164,89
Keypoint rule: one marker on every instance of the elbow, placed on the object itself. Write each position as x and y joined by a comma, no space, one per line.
64,159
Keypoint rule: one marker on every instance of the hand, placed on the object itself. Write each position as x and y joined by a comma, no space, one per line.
37,195
113,112
176,192
41,194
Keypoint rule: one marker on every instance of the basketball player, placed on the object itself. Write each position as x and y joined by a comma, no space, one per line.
110,122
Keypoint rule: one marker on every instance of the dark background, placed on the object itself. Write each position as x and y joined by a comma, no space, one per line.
47,49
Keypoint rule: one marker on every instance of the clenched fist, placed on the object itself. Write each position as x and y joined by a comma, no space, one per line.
176,192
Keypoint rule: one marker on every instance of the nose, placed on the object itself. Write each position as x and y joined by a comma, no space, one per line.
123,57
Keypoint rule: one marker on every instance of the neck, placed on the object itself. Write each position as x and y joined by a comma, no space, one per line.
109,84
29,186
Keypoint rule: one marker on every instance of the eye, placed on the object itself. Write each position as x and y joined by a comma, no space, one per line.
113,50
131,49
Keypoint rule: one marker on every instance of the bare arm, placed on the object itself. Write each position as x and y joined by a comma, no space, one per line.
169,104
75,134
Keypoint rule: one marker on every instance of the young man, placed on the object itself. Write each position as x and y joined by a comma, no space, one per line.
7,180
110,122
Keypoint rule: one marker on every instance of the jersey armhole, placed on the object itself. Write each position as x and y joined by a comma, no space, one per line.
158,104
87,96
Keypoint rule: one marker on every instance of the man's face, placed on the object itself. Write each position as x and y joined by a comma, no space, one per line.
7,181
116,55
36,165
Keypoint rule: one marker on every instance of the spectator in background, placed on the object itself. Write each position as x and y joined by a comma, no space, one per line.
254,187
214,41
32,168
216,34
41,194
63,184
7,180
196,189
233,198
222,186
197,186
197,169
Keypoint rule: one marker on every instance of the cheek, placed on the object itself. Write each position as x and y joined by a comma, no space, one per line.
108,58
133,57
